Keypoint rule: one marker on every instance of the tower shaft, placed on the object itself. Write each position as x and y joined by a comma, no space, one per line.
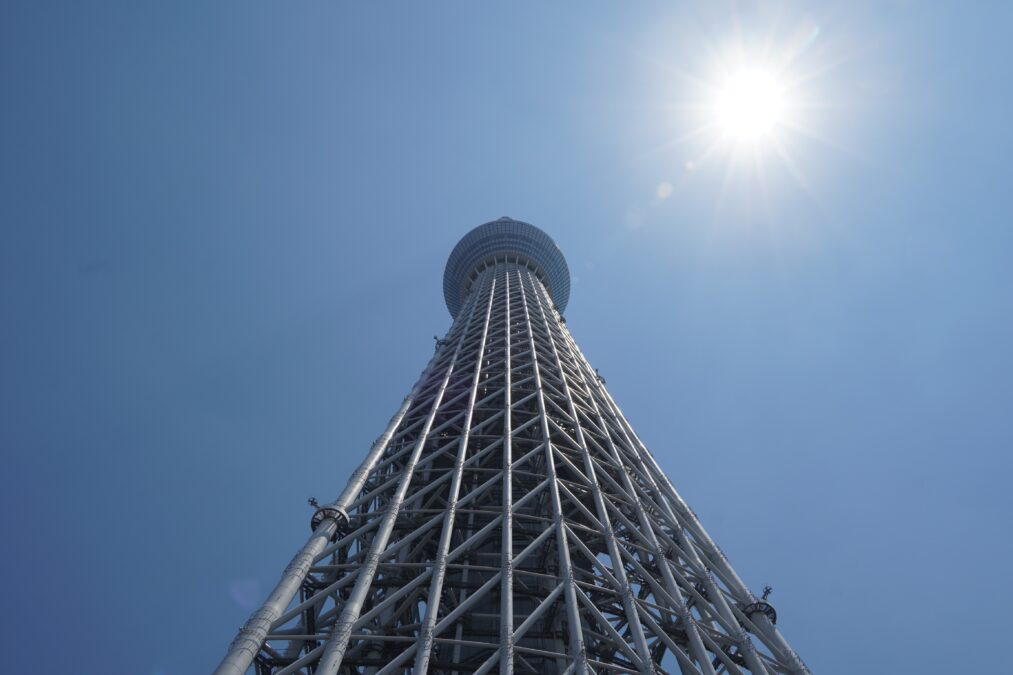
510,520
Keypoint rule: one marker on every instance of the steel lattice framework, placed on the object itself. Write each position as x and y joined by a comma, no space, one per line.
509,519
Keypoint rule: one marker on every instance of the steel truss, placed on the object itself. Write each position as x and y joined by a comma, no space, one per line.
510,520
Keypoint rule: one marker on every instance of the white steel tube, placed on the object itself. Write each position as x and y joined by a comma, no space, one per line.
440,563
716,597
337,643
629,604
506,608
251,636
577,650
697,648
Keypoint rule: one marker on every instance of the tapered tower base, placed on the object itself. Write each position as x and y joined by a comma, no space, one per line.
509,519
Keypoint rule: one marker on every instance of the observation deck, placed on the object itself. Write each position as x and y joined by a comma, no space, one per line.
505,240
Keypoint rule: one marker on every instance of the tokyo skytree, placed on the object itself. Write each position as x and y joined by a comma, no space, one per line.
509,519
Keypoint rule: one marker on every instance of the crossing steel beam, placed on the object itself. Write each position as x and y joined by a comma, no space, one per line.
509,519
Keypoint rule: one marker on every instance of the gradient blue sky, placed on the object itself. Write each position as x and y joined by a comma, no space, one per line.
222,233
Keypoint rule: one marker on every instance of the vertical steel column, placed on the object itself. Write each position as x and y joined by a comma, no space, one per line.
506,607
580,665
715,555
251,636
359,477
714,593
716,596
697,648
405,571
337,642
618,566
426,636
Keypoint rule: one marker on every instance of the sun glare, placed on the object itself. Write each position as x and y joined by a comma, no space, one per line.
742,105
749,105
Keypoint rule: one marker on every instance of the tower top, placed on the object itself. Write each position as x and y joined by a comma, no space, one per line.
502,240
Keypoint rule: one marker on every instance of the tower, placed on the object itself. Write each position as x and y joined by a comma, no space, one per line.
509,519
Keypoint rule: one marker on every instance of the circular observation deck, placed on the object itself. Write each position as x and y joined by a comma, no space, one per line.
503,240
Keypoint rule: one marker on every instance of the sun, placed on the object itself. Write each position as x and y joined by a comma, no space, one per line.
749,105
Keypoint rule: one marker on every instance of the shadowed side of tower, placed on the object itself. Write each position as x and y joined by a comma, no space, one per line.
508,518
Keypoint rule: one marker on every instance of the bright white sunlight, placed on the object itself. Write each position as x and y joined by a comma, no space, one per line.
749,105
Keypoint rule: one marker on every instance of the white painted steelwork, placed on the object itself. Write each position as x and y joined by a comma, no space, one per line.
509,519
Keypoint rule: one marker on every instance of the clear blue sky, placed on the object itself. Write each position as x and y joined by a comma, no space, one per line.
222,233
